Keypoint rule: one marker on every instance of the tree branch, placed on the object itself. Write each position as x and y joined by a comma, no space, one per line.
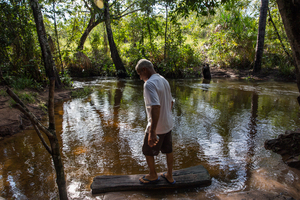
271,20
28,114
87,5
51,104
42,139
118,17
111,4
127,8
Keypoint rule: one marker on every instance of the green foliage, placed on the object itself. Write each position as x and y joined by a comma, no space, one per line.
21,83
43,107
275,56
18,41
82,92
25,97
172,57
66,79
3,93
177,36
232,38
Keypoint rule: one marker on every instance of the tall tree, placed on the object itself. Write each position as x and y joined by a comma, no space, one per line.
93,22
46,51
121,71
54,148
290,14
99,15
261,35
166,33
56,36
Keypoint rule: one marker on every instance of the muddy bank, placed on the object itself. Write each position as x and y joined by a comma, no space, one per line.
13,121
271,74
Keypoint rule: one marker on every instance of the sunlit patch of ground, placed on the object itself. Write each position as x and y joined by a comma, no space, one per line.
278,183
262,179
251,195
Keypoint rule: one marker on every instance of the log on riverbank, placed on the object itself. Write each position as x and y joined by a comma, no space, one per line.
288,146
196,176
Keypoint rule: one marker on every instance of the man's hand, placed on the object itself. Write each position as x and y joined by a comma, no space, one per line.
152,138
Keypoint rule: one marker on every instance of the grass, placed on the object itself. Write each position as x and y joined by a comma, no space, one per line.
25,97
21,83
3,93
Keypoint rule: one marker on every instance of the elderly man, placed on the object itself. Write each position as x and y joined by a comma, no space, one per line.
158,102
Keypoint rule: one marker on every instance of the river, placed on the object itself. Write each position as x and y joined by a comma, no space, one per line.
221,125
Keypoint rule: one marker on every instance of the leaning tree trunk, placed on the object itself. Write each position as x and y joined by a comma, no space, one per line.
277,33
290,14
92,24
46,52
121,71
261,35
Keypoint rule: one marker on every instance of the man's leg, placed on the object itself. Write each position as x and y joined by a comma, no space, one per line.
152,172
170,160
149,153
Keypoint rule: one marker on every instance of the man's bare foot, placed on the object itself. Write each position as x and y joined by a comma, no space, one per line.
148,179
168,178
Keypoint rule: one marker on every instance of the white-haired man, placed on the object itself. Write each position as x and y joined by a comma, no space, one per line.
158,137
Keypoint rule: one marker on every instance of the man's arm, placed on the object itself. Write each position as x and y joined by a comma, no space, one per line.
152,139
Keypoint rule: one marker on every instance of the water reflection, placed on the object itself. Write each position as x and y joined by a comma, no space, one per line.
220,124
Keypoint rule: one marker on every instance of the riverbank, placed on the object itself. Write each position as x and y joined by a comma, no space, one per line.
13,121
264,75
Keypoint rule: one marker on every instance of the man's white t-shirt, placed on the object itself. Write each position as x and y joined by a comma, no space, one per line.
157,92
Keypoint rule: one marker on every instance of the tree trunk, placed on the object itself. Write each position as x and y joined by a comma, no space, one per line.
46,52
57,42
290,14
105,40
121,71
59,168
92,24
54,149
54,80
166,29
150,33
261,35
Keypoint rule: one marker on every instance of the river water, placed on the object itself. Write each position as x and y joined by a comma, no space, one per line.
221,125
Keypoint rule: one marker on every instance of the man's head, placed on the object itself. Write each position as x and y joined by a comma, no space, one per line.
145,69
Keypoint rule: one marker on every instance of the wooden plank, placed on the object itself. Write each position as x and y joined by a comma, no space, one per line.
196,176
